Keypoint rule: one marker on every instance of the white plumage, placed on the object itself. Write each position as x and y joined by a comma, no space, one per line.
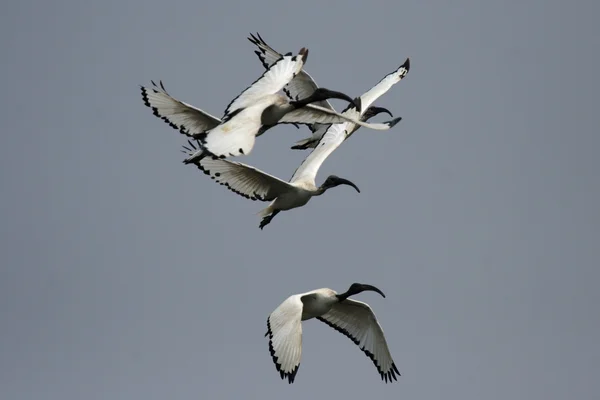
250,114
303,84
353,318
255,184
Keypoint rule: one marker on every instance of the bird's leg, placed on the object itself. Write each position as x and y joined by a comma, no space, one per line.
266,220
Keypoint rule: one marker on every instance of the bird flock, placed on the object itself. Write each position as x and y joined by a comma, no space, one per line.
286,94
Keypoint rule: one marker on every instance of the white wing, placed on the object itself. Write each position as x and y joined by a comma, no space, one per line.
271,82
366,100
284,328
243,179
384,85
187,119
357,321
302,86
307,171
311,113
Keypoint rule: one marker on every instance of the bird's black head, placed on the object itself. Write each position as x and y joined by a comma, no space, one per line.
333,181
356,288
373,111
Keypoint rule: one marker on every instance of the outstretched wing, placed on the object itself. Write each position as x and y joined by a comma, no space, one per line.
384,84
357,321
184,117
311,113
302,86
284,329
270,82
307,171
366,100
242,179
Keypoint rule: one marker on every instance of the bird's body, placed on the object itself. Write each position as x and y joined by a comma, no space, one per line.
353,318
236,135
317,303
297,196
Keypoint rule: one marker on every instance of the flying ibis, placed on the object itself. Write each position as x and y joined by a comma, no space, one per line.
353,318
255,184
303,84
251,113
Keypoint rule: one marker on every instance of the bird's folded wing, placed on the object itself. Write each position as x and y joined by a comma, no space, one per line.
270,82
308,169
302,86
187,119
243,179
384,84
311,113
284,329
357,321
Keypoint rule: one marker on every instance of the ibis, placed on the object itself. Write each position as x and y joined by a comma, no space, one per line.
353,318
251,113
303,85
255,184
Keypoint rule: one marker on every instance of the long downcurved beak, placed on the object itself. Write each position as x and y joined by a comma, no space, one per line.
342,181
332,94
379,110
324,94
372,289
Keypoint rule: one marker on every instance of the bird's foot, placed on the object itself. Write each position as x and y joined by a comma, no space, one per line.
265,221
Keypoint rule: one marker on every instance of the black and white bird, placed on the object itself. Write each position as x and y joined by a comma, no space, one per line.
250,114
353,318
303,85
255,184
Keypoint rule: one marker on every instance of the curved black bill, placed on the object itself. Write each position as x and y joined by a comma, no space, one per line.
321,94
332,94
379,110
342,181
373,289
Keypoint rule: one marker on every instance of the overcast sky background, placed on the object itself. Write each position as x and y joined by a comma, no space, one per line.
128,275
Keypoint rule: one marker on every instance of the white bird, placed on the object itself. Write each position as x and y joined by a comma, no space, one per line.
353,318
254,111
255,184
303,84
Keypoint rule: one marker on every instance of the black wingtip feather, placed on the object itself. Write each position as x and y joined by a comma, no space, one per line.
358,103
289,375
406,64
182,129
385,376
206,153
393,122
304,53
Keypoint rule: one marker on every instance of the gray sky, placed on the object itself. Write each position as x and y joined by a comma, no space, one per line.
128,275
